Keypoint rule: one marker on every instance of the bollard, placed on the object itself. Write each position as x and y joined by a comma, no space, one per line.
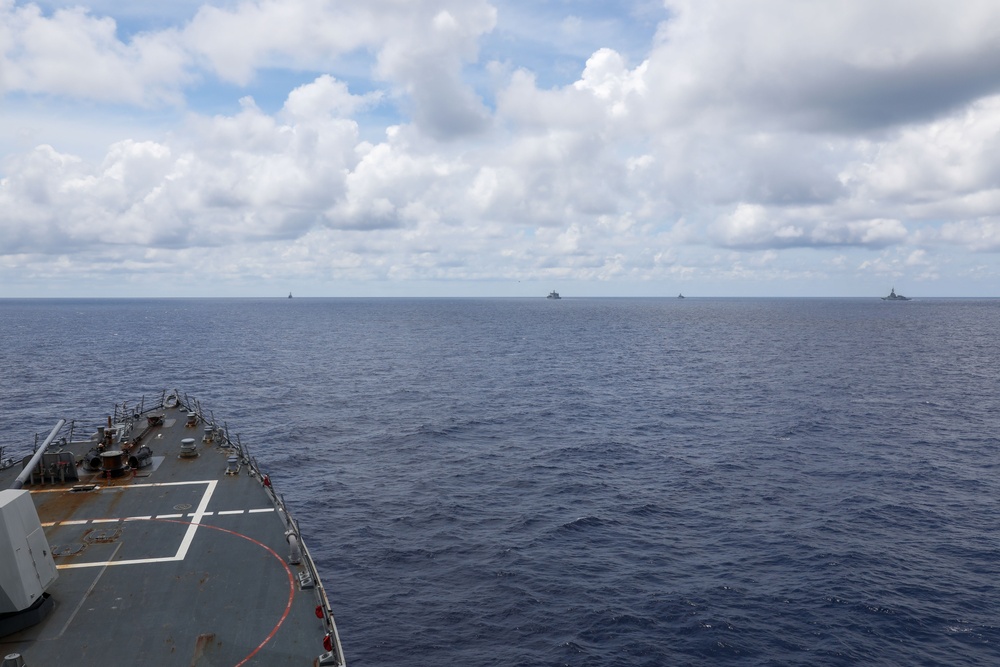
13,660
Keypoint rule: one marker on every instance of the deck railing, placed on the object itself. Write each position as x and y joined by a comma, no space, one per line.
291,525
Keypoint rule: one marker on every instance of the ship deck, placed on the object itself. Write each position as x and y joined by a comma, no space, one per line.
174,563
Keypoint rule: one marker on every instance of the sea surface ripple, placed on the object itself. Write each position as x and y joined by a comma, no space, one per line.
588,481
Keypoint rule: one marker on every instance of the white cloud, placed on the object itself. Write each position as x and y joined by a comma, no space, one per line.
977,235
819,66
755,226
76,54
325,98
946,159
238,40
607,77
773,129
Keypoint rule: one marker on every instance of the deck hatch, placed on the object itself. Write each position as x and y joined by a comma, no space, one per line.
68,549
103,535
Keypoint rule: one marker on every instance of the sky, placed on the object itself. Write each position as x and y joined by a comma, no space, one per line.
499,148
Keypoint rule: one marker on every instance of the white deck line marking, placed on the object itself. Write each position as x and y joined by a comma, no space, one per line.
198,513
138,518
76,610
266,509
49,524
169,516
58,490
194,514
221,512
185,541
74,522
108,563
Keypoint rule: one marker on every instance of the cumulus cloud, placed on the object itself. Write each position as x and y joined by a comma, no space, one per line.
326,97
755,226
818,66
946,160
744,135
421,47
232,178
75,54
427,62
608,78
978,235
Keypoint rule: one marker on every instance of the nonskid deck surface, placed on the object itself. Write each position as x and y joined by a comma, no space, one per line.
176,563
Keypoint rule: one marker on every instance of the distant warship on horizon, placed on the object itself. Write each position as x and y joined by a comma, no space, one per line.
895,297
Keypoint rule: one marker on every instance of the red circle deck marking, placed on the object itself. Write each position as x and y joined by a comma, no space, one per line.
288,571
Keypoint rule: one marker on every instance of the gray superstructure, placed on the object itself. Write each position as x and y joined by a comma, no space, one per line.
155,541
895,297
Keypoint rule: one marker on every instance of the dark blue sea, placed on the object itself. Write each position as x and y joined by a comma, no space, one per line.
588,481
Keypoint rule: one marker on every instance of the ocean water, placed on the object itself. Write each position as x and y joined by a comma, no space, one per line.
588,481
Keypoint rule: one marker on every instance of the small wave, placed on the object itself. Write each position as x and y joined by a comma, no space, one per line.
646,510
585,523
